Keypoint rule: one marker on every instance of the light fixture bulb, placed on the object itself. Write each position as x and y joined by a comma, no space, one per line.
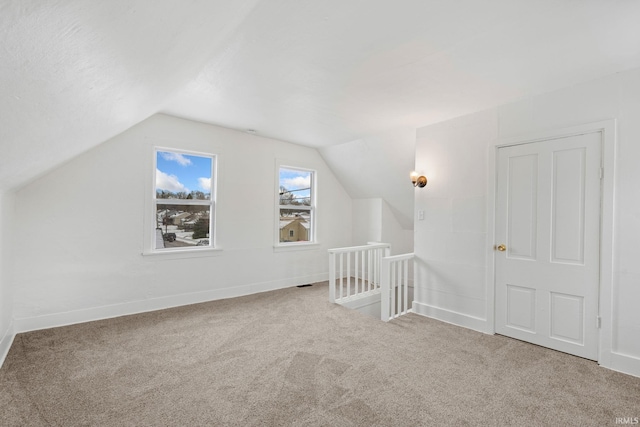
418,181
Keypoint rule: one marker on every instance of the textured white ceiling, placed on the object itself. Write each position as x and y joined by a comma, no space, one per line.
327,72
74,73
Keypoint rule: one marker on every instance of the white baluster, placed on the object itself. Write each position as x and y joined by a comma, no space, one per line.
393,290
341,275
348,274
332,277
396,289
385,285
355,271
406,286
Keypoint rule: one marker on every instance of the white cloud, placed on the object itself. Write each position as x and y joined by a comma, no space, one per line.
296,182
169,182
205,183
175,157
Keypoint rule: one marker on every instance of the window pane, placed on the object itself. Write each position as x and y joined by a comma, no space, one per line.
295,187
182,225
183,176
295,225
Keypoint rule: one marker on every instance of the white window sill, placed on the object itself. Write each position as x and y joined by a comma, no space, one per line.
183,254
296,247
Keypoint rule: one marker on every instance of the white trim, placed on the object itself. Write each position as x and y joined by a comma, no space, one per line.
546,135
5,343
296,246
184,202
369,305
624,363
184,253
359,301
490,239
452,317
606,357
369,245
153,304
607,345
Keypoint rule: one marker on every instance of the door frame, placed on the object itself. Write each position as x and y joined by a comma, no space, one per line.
607,128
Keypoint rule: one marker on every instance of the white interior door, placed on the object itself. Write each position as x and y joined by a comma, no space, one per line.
548,243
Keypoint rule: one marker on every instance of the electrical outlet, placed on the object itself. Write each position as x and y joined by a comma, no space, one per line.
420,215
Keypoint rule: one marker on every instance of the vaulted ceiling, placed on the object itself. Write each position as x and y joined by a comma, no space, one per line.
74,73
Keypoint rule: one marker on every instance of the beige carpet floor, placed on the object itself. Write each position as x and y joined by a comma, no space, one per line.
289,357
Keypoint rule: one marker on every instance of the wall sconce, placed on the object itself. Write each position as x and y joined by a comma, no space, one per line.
418,181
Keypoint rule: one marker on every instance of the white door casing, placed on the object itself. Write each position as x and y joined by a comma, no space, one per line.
548,218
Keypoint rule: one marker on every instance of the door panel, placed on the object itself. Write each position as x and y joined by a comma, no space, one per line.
567,240
567,318
548,217
521,308
522,206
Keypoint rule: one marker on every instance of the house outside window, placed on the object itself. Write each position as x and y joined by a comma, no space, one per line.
296,205
183,200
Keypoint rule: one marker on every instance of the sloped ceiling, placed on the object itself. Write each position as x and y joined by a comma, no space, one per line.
74,73
378,166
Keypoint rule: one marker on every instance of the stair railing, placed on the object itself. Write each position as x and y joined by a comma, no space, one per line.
394,289
355,271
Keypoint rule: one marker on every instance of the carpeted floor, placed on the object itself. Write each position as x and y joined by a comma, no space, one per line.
290,357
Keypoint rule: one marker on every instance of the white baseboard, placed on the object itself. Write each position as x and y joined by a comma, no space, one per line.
361,300
624,363
453,317
368,303
5,343
153,304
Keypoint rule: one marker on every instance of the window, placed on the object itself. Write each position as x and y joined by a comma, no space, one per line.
295,205
184,200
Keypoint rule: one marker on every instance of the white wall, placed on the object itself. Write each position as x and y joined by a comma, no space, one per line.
6,287
374,221
401,239
452,243
378,167
367,221
80,228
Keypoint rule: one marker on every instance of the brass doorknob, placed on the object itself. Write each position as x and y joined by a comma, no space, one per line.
502,248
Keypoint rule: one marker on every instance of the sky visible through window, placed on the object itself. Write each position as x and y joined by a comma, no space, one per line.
177,172
297,182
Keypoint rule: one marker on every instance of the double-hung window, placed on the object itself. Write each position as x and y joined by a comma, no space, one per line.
184,200
296,205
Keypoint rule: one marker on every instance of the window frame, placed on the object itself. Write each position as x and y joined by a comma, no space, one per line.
154,202
312,208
